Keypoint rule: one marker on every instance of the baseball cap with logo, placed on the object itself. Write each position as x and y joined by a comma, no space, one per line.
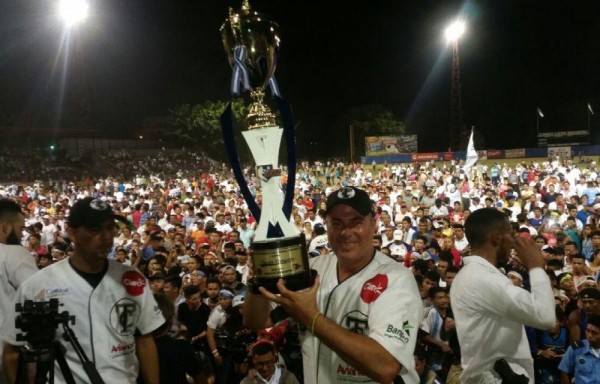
589,293
353,197
237,301
90,212
397,235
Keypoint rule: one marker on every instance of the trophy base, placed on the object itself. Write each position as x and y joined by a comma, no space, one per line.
283,258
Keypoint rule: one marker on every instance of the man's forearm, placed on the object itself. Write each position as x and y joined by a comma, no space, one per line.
10,360
148,358
361,352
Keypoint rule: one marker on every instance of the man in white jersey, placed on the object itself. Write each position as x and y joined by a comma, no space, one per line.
16,264
359,321
114,307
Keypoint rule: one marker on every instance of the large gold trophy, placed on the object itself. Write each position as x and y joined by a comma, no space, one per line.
279,250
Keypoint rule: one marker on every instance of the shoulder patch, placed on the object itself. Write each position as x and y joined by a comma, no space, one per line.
373,288
133,282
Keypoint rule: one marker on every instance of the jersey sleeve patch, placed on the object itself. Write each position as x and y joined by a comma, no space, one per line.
373,288
133,282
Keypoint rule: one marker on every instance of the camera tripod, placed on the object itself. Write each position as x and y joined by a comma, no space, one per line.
43,349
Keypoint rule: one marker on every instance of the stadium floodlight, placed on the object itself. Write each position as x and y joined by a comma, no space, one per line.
73,11
455,31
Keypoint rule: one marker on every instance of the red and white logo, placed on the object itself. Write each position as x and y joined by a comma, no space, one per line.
373,288
133,282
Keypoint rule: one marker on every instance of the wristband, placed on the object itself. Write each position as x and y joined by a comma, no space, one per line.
314,321
215,352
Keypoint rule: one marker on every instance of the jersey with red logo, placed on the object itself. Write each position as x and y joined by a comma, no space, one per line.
107,317
381,301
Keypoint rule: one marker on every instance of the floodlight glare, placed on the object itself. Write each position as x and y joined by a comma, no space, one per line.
73,11
454,31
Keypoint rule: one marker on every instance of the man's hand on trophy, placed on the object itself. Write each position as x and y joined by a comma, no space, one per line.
301,305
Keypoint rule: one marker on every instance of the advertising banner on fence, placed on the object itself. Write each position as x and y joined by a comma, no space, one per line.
514,153
561,152
494,154
389,145
425,156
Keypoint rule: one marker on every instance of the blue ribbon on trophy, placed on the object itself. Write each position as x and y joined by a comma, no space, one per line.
279,249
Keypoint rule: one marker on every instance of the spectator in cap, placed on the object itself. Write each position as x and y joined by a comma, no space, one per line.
215,331
578,318
359,273
581,361
157,282
96,286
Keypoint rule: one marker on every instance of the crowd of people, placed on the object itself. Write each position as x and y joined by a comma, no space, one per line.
189,233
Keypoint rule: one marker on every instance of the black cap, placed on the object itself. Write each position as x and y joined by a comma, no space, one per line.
353,197
589,293
90,212
157,276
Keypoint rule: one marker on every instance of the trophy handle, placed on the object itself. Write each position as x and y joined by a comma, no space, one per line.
229,139
285,112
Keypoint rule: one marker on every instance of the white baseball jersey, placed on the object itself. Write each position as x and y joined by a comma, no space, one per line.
16,265
107,317
380,301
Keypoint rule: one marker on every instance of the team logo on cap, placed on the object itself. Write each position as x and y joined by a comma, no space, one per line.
98,205
373,288
346,193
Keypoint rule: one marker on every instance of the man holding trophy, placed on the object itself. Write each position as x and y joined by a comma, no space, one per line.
359,318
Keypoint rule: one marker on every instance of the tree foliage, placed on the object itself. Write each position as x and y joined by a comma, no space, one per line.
200,124
373,120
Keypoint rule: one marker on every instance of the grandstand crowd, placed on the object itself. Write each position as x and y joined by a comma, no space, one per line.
190,233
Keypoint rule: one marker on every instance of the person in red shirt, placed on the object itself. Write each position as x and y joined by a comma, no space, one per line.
448,246
136,216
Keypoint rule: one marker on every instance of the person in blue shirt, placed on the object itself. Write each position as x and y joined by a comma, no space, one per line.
582,359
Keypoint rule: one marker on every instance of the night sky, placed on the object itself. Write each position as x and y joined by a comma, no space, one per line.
136,59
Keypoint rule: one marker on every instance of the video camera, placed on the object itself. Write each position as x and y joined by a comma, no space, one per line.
39,321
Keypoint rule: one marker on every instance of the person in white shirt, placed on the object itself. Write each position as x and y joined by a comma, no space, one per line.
360,317
489,310
16,264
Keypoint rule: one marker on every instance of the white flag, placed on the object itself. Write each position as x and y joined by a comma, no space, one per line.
590,109
540,114
471,156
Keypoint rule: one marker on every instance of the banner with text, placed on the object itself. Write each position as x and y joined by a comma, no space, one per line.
514,153
389,145
426,156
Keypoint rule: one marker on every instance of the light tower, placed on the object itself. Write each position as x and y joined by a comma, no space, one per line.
453,34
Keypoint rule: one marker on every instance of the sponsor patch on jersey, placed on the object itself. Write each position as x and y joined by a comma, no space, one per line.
121,349
401,334
50,293
347,373
133,282
124,316
373,288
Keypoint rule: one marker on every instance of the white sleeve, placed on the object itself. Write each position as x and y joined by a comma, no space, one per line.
536,309
19,266
395,317
9,330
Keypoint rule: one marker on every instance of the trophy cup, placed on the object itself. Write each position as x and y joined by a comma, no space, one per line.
279,250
